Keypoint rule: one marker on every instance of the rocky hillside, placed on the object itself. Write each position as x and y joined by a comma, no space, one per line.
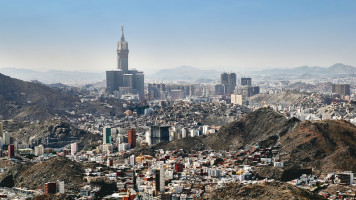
35,175
26,100
323,145
261,125
274,190
55,131
288,97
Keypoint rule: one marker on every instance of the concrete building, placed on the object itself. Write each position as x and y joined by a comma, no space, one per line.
50,188
73,148
6,138
177,95
39,150
228,81
246,81
132,160
246,89
341,89
162,179
61,189
11,151
107,135
237,99
1,129
219,89
122,80
132,137
157,134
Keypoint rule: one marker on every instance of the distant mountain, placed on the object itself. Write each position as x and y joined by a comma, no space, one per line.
54,76
184,73
27,100
338,68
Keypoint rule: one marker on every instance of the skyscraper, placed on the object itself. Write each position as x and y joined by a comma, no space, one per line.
11,150
231,83
123,53
73,148
157,134
1,129
132,137
228,81
341,89
246,81
107,135
122,80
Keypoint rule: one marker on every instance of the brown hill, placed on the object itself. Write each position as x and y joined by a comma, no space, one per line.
26,100
324,145
55,131
274,190
262,125
35,175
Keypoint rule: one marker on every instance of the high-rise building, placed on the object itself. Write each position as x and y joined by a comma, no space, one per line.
122,80
11,150
232,83
246,81
1,129
61,187
162,179
224,79
39,150
341,89
123,53
132,137
219,89
107,135
237,99
132,160
246,89
228,81
6,138
157,180
157,134
73,148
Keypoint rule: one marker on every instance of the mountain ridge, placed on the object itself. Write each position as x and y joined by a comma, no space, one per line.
21,99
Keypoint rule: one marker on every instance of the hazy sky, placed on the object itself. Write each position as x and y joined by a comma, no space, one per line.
226,35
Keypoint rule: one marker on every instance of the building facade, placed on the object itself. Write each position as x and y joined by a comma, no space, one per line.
228,84
132,137
341,89
123,80
107,135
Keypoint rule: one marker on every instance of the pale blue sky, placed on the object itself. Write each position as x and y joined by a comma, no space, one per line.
222,34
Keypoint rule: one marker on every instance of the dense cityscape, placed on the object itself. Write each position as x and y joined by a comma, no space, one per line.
268,134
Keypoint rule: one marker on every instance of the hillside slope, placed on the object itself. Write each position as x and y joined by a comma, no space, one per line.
35,175
57,132
26,100
322,145
274,190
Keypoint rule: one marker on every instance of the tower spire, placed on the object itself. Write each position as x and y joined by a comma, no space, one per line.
122,33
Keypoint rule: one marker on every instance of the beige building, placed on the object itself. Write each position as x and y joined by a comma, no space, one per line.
237,99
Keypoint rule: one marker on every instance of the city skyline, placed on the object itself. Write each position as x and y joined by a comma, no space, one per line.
227,35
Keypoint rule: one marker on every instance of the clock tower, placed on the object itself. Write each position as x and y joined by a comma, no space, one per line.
122,53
